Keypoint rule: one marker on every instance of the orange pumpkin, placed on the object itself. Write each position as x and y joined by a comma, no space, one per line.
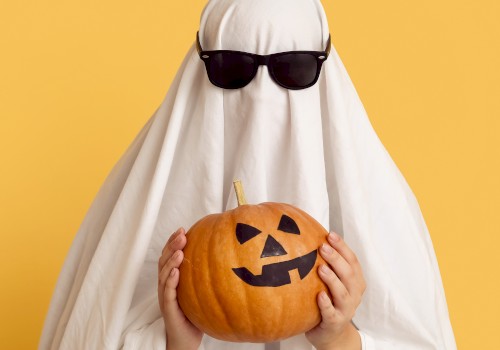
250,274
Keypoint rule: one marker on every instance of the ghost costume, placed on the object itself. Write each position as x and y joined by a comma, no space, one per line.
314,148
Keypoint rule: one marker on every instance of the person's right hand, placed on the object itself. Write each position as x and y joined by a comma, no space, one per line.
181,333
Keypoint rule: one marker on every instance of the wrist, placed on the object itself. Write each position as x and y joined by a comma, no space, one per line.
173,347
349,339
176,345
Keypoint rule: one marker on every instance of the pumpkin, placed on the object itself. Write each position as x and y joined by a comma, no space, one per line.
250,274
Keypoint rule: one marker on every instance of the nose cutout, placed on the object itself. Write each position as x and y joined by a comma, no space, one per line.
272,248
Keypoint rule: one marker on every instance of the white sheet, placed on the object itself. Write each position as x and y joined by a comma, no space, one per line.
313,148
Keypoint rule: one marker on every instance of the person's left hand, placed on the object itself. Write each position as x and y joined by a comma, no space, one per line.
344,278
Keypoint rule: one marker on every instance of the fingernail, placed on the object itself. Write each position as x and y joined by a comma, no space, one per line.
323,296
334,237
325,269
173,272
326,248
177,254
173,237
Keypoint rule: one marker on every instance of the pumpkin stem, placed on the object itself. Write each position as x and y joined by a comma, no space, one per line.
240,195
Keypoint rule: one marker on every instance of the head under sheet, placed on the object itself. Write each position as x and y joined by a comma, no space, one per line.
314,148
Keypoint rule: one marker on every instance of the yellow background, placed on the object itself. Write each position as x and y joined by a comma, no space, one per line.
78,79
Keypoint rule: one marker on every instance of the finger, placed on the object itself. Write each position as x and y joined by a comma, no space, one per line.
340,266
167,250
178,243
170,294
339,244
356,285
173,314
340,294
174,262
173,236
161,292
329,315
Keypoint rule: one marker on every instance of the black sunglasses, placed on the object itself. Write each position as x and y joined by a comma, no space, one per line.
293,70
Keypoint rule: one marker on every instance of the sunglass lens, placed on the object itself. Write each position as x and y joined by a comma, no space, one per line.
231,70
295,70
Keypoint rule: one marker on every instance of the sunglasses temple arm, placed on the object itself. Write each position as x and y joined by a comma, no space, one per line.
328,45
198,45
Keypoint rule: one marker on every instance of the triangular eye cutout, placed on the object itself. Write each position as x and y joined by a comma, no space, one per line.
245,232
288,225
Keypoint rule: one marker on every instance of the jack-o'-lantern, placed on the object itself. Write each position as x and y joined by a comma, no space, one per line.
250,274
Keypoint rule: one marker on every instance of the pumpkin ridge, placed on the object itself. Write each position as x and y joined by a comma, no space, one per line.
247,295
211,270
194,298
199,275
243,297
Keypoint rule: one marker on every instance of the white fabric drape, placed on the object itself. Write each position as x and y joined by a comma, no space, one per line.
313,148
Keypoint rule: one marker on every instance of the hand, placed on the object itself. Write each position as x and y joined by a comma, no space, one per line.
344,279
181,333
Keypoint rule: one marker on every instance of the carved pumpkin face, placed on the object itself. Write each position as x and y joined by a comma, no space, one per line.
250,274
274,274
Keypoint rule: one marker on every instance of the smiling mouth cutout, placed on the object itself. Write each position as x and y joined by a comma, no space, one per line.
277,274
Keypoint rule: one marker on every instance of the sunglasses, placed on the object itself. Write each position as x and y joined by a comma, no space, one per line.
292,70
